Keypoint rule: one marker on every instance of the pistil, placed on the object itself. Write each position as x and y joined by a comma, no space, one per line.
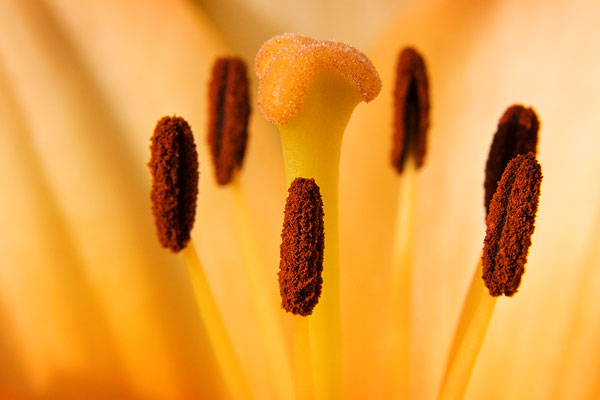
309,89
311,148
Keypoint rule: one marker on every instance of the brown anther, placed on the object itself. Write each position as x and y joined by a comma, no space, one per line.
302,241
174,168
517,134
411,109
229,110
510,224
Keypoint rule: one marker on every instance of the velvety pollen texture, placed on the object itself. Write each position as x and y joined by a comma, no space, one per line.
174,168
287,64
229,110
510,224
517,133
411,109
302,242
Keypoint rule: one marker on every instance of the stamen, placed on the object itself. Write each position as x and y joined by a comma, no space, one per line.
301,249
411,122
174,168
229,110
517,134
510,224
411,103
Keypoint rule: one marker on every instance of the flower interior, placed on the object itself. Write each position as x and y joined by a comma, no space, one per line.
309,89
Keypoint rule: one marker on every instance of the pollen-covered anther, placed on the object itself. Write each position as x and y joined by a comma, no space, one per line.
517,133
302,243
174,168
411,109
229,110
287,64
510,224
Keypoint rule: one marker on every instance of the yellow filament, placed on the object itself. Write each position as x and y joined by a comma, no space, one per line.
215,328
271,331
303,380
468,338
311,148
399,340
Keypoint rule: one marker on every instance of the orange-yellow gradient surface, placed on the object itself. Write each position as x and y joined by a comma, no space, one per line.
91,306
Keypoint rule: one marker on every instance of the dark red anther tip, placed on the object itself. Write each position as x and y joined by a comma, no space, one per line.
174,168
510,224
411,109
517,133
229,111
302,243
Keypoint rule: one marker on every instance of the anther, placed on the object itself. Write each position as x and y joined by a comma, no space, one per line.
174,168
517,134
411,106
510,224
229,110
301,248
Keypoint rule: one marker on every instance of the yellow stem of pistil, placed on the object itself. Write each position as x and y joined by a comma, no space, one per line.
271,331
303,380
311,149
470,332
215,327
399,340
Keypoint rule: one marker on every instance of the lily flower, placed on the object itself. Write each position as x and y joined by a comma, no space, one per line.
92,307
